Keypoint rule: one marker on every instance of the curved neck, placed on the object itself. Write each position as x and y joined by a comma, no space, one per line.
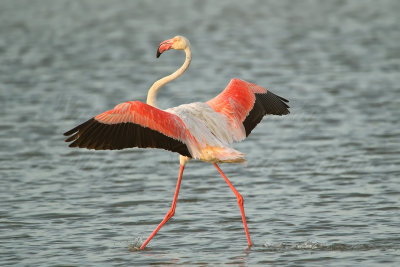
152,94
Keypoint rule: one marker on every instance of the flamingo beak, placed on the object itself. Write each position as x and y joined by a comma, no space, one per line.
164,46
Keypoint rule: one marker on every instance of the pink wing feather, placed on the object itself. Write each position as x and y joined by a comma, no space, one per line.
247,103
132,124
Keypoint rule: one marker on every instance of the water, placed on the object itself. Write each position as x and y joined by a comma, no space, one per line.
321,186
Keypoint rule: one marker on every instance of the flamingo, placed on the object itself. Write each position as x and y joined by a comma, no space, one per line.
201,131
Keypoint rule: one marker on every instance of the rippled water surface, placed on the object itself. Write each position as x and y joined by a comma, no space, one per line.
321,186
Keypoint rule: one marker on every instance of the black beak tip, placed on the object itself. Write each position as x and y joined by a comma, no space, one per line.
158,53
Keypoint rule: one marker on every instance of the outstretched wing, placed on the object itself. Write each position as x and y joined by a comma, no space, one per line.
132,124
247,103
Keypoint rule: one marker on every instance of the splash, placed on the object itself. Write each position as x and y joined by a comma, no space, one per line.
317,246
134,245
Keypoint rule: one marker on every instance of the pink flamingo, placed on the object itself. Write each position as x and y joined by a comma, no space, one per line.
202,131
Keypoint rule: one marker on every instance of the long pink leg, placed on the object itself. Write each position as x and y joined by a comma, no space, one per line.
171,211
240,202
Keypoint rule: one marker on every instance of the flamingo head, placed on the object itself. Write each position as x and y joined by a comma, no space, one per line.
177,43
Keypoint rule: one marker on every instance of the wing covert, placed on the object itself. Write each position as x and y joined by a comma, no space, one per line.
132,124
246,104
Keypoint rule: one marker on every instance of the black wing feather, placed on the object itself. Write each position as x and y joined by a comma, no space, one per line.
264,104
93,134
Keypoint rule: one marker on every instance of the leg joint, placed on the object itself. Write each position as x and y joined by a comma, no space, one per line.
170,213
240,199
